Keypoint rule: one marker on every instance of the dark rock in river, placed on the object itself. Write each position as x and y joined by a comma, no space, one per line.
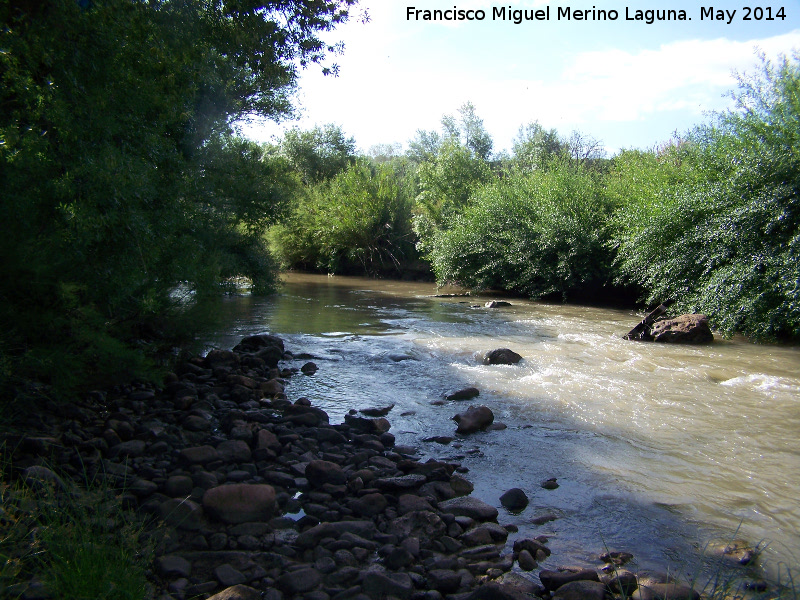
465,394
550,484
377,412
501,356
514,499
474,419
581,590
685,329
553,580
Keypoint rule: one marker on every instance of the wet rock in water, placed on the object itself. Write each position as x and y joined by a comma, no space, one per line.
514,499
497,304
581,590
536,548
665,591
240,502
526,561
550,484
376,412
684,329
501,356
363,425
463,394
553,580
616,558
545,518
309,368
474,419
439,439
737,551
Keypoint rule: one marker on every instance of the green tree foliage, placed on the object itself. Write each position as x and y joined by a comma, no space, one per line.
319,154
535,147
359,221
537,233
113,133
722,236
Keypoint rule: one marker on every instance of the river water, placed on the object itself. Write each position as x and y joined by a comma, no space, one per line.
658,450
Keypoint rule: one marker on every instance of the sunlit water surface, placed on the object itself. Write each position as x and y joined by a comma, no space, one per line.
658,449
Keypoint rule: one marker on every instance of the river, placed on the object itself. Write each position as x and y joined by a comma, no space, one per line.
658,450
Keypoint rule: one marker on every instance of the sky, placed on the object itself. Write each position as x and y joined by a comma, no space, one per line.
625,82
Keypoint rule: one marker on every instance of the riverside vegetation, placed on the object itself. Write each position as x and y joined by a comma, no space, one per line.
127,194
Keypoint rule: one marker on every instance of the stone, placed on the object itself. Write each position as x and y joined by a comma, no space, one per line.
129,449
320,472
501,356
737,551
178,486
665,591
514,499
237,592
199,455
422,524
240,502
364,425
369,505
173,566
463,394
581,590
228,576
410,503
299,581
550,484
444,580
621,581
236,451
273,387
182,513
377,411
496,304
684,329
474,419
467,506
38,477
378,585
616,557
553,580
526,561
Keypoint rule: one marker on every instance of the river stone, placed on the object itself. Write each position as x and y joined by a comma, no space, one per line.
444,580
496,591
684,329
228,576
221,358
665,591
422,524
553,580
236,451
273,387
378,585
38,477
300,581
464,394
182,513
178,486
621,581
581,590
173,566
514,499
501,356
496,304
526,561
240,502
411,503
369,505
320,472
199,455
129,449
474,419
364,425
237,592
738,551
467,506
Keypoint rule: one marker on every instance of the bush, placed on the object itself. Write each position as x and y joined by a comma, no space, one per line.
725,240
359,222
537,234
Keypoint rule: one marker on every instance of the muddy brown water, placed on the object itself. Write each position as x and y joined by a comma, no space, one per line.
658,450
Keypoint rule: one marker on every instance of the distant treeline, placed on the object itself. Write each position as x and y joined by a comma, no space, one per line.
709,219
124,191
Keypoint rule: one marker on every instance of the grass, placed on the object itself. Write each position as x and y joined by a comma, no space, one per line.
77,543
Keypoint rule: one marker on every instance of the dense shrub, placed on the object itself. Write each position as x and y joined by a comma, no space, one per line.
359,221
538,234
725,239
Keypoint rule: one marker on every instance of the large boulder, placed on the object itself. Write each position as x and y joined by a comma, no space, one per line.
684,329
474,419
269,348
501,356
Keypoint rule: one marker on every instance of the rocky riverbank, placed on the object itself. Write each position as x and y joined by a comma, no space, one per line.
250,493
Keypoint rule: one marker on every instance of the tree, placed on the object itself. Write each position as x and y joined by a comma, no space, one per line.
114,116
319,154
